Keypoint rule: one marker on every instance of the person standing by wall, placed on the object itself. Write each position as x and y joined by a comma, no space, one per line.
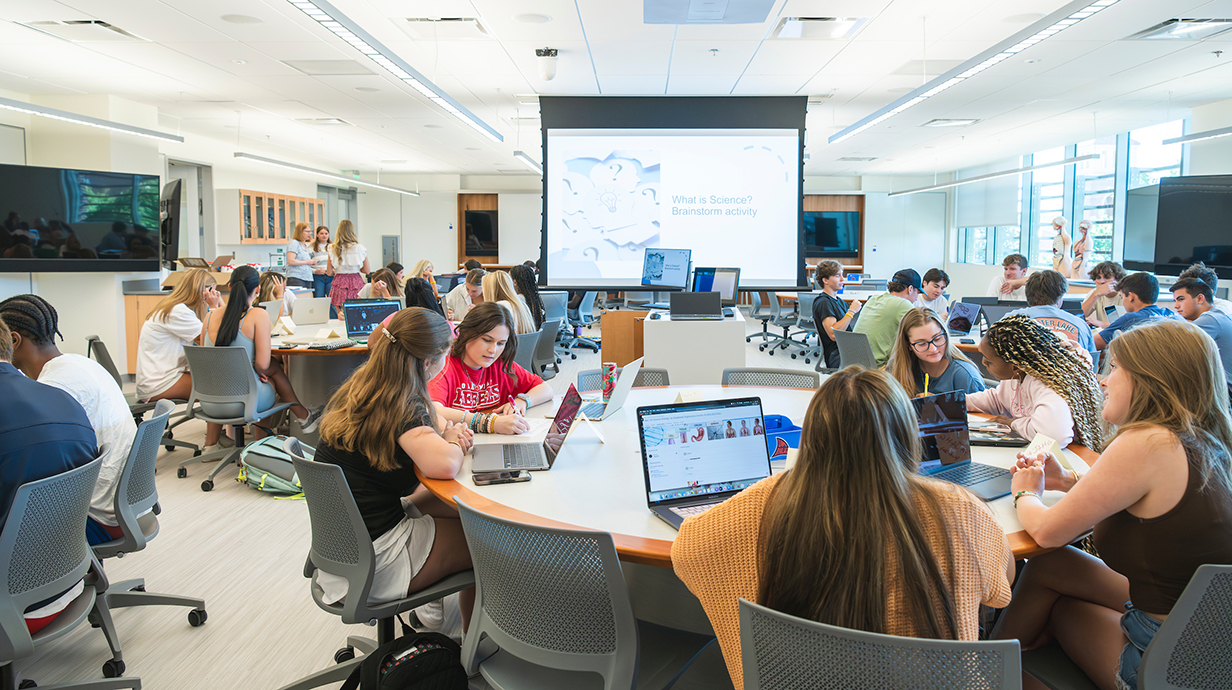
347,260
299,257
322,279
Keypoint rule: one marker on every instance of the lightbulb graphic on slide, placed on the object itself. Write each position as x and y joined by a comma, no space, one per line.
610,204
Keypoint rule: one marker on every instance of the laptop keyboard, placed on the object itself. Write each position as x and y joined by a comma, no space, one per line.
690,511
522,455
970,474
593,410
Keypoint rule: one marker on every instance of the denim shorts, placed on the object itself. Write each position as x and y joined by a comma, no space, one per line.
1140,629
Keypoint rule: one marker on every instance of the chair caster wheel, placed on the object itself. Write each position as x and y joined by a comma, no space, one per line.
27,684
793,356
344,655
207,485
772,352
113,669
138,588
748,340
169,447
572,356
181,473
197,617
197,453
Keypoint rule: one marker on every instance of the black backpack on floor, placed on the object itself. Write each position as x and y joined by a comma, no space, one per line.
415,661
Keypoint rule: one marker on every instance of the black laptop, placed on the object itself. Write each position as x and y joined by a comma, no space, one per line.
963,318
947,447
696,306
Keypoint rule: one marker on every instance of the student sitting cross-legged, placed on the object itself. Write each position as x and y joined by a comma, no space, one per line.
851,535
1159,498
1139,291
923,348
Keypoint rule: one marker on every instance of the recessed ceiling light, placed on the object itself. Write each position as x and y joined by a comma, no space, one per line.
367,89
393,162
532,18
1032,61
949,123
1024,18
240,62
1185,29
434,126
322,121
473,148
241,19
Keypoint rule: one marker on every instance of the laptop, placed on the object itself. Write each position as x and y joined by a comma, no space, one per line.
361,317
999,435
309,311
947,447
272,308
996,312
531,456
696,306
599,411
963,318
691,462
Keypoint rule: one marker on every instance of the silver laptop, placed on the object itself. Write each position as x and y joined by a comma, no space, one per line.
696,306
271,308
947,447
963,319
599,411
363,316
531,456
691,462
311,310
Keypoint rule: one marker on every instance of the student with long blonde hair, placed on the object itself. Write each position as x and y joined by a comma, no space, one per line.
162,368
923,348
424,269
273,286
347,260
379,427
498,287
1159,497
851,535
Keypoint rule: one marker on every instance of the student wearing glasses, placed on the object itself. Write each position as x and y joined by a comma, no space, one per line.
923,348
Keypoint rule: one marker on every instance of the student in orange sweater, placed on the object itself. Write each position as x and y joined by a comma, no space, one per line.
813,542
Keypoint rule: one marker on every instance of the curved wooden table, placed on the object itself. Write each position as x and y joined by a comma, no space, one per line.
600,486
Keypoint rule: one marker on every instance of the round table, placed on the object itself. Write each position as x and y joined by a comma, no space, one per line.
316,374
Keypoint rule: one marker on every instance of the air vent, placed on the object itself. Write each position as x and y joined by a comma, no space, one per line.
328,121
949,123
447,29
1184,30
334,68
706,11
83,30
820,98
819,28
857,159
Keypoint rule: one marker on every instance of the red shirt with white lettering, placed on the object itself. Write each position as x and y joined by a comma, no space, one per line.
471,390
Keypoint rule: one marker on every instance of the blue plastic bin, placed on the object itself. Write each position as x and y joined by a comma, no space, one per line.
778,426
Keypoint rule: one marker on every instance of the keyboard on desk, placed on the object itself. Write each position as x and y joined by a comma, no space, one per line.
594,410
519,456
332,344
970,474
690,511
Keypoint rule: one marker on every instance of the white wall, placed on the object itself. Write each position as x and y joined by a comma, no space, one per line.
428,230
1213,156
904,232
521,227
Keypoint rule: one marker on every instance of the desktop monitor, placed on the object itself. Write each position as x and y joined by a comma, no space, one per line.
667,268
725,281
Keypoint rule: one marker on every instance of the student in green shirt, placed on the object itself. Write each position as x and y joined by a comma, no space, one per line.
881,314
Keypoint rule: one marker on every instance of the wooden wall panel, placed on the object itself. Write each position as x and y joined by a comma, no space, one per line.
474,202
838,202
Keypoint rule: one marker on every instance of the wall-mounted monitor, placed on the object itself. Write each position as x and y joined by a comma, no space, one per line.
1194,223
482,236
831,233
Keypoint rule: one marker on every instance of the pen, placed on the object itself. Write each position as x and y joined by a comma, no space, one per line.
925,384
514,406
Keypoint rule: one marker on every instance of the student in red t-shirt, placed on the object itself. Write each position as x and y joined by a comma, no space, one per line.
470,390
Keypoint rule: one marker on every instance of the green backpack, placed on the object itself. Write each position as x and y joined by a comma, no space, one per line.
265,466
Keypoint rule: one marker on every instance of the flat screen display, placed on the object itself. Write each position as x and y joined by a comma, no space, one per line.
78,220
666,267
831,233
725,281
1194,224
482,237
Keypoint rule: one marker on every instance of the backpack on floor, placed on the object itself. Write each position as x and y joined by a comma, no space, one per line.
265,466
415,661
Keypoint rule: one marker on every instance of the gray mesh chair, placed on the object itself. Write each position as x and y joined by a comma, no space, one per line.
584,315
554,602
592,379
525,356
853,348
782,652
775,378
224,376
543,362
769,315
44,547
136,494
341,546
556,307
808,329
98,350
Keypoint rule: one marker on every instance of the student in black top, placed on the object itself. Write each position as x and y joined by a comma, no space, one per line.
378,427
830,312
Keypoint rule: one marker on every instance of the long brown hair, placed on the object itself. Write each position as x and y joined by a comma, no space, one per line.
391,281
316,238
389,392
904,364
1178,383
190,292
482,318
270,281
851,508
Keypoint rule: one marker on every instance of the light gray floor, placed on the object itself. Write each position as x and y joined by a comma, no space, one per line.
243,552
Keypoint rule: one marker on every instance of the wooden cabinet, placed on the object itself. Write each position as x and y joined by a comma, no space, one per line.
622,335
267,218
136,309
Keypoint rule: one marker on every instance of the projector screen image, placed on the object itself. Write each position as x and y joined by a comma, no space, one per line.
612,194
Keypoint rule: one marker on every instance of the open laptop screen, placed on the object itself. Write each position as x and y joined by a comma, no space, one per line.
943,430
963,317
562,422
695,449
725,281
362,317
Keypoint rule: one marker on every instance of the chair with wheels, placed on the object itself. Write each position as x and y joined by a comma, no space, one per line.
45,553
527,342
543,362
853,348
808,328
556,307
224,376
763,313
774,378
584,315
779,652
98,350
341,546
136,509
555,604
592,379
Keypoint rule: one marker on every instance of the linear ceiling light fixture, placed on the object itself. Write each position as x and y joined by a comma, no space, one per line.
1200,136
341,26
993,176
528,161
971,68
323,173
65,116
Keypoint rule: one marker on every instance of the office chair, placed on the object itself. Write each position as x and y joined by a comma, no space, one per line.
592,379
545,351
769,315
808,328
527,342
853,348
47,554
556,307
224,376
555,603
584,315
775,378
98,350
136,494
341,546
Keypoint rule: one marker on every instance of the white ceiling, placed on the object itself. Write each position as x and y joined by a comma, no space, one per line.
229,81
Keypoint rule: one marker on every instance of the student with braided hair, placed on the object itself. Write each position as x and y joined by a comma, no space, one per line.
1046,386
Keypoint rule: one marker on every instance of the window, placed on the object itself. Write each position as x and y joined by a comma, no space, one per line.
1149,159
1047,202
1095,195
987,245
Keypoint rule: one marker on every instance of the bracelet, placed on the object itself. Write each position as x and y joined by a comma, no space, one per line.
455,443
492,423
1020,494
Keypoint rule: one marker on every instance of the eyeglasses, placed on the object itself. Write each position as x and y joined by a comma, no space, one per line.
938,340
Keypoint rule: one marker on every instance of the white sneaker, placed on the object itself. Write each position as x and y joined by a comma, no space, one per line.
310,423
431,615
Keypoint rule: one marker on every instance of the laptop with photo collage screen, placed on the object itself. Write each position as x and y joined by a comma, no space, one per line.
947,447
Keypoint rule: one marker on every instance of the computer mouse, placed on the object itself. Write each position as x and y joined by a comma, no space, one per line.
655,315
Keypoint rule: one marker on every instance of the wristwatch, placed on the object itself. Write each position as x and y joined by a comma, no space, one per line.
524,398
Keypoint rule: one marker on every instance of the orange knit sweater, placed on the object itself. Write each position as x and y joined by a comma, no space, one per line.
715,556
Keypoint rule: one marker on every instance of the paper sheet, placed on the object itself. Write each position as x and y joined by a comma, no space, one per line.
1045,444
